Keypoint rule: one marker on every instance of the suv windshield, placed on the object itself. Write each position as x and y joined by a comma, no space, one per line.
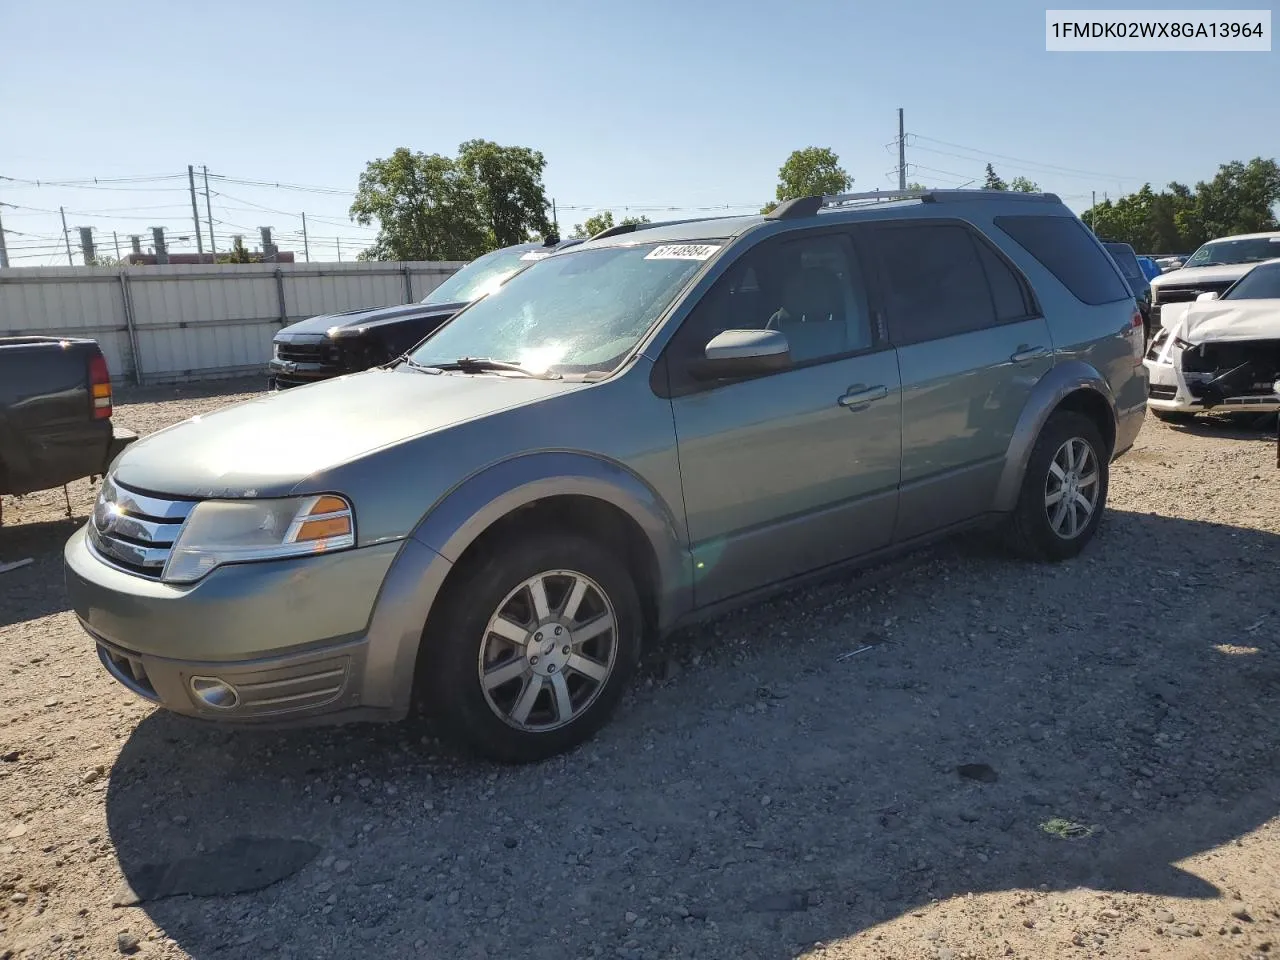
484,275
1222,252
1260,283
1125,258
578,312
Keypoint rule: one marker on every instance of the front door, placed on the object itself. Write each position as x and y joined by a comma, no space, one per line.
789,472
971,345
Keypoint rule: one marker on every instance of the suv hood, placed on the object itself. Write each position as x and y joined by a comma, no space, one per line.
357,321
1189,276
266,447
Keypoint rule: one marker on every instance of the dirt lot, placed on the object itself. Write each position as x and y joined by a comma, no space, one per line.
755,797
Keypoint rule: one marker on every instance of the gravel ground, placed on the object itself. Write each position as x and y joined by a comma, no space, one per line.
1029,761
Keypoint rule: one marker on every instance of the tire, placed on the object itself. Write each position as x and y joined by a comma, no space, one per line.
509,720
1173,416
1031,530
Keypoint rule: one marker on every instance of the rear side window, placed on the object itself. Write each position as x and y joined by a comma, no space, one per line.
1064,246
937,285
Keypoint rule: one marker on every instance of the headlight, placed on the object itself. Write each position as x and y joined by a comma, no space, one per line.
236,531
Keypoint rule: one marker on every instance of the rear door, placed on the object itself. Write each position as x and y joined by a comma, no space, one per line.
789,472
972,344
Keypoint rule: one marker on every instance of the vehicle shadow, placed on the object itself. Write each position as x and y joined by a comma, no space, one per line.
25,593
1230,426
1107,733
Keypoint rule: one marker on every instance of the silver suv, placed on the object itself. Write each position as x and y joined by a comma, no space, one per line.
628,435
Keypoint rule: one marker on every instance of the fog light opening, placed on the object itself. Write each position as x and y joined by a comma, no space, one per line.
215,693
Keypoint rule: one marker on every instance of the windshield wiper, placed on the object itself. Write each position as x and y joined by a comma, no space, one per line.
482,364
409,361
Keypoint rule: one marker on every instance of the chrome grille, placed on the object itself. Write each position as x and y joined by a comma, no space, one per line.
1182,293
135,531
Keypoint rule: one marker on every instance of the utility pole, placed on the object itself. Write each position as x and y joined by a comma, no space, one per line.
902,153
4,253
208,209
65,238
1093,208
86,245
554,219
306,250
338,241
116,238
195,211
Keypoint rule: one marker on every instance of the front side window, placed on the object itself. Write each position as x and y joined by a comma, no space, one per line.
1218,253
811,289
937,285
482,275
581,311
1260,283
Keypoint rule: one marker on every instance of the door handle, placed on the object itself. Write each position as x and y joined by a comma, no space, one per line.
859,396
1026,354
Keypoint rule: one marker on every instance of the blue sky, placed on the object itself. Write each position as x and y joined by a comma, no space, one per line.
660,104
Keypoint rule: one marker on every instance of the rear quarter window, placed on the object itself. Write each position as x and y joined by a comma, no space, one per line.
1065,248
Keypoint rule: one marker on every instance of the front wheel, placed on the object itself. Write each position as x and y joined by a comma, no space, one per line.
1064,490
533,648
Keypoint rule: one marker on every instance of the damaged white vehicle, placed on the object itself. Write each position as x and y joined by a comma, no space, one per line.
1220,352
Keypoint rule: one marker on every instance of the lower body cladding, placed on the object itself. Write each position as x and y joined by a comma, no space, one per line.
1226,377
325,639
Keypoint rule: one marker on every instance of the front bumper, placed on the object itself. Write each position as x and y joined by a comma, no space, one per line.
295,639
1168,392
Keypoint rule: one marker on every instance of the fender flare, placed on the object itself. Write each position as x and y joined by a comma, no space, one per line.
1064,379
418,574
456,519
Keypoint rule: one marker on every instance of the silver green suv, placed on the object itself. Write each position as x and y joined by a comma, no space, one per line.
628,435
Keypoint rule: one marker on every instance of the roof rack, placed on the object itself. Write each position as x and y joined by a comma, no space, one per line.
808,206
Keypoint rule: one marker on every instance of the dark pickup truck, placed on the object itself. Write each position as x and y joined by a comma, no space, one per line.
334,344
55,413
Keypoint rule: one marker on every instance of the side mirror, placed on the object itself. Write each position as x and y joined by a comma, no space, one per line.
1208,295
743,353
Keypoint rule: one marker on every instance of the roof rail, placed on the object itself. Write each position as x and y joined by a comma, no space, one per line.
808,206
614,231
799,207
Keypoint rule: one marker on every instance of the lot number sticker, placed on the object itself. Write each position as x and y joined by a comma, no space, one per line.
683,251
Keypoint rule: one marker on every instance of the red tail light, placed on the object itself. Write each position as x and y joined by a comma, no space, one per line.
99,387
1138,333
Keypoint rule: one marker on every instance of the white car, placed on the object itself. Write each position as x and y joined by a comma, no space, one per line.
1219,352
1212,268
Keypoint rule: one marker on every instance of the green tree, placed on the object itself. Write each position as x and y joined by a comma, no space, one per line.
602,221
993,181
1239,199
813,171
238,253
433,207
508,184
1023,185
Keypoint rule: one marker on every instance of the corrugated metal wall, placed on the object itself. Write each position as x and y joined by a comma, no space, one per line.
188,322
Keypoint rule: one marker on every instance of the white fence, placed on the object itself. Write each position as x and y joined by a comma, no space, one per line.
161,324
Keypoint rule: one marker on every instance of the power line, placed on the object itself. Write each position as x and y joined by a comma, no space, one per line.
983,154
